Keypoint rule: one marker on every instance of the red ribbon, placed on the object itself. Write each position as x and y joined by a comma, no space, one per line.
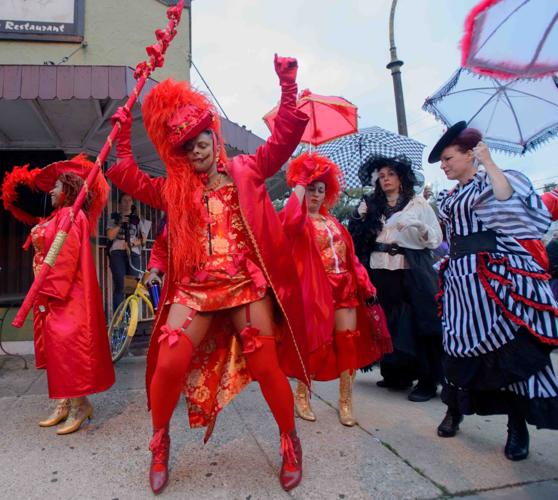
171,335
250,339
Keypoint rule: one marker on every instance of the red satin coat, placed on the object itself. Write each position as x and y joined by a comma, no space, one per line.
536,247
71,339
158,258
320,310
550,199
249,173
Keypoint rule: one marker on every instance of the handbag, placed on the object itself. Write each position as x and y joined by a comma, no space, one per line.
380,331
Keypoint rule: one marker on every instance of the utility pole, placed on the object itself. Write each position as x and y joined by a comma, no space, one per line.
395,67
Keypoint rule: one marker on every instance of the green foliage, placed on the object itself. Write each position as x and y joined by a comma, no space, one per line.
348,201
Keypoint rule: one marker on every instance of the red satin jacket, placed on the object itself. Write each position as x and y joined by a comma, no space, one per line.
71,339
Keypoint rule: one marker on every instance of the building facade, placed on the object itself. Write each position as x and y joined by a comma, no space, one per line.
65,67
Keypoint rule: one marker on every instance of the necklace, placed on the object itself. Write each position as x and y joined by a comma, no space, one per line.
214,183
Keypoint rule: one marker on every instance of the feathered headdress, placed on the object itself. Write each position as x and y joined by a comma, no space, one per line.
22,198
173,113
325,171
44,179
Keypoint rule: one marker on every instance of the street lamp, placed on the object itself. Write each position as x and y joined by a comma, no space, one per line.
395,67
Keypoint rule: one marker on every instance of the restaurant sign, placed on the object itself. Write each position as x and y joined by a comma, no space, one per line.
42,20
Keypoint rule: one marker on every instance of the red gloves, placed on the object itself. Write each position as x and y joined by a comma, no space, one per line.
124,136
306,173
286,68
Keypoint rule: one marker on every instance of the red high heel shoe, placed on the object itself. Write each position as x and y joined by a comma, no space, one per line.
159,470
291,469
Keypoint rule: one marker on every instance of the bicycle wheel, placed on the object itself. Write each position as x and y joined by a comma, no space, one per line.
123,327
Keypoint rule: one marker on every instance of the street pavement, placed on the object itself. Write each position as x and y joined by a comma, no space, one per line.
393,452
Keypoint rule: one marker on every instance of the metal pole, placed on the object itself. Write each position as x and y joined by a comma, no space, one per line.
395,67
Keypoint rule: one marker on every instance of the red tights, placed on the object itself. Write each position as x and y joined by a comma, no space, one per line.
172,367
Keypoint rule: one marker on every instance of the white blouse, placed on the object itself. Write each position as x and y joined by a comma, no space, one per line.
415,227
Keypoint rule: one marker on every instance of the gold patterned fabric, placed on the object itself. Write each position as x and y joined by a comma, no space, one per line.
38,240
333,251
230,276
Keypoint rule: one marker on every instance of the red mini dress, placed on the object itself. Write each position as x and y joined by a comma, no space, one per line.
230,276
333,251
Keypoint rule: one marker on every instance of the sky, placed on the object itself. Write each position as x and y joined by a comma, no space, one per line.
342,48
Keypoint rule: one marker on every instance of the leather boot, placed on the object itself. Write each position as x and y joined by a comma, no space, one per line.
59,414
517,445
159,470
346,399
425,390
291,468
302,403
450,425
80,411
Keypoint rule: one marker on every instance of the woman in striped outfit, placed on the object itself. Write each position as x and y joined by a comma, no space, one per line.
499,317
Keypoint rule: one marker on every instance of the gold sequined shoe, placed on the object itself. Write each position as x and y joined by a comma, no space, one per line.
302,403
60,413
80,410
346,399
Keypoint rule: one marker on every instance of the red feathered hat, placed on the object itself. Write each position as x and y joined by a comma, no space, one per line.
325,171
173,113
19,176
44,179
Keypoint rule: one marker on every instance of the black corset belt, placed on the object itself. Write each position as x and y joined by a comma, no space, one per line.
483,241
391,248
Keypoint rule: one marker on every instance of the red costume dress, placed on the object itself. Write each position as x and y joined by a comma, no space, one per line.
333,251
71,339
218,371
70,334
225,248
333,276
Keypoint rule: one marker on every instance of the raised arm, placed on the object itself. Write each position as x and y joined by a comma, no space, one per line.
502,188
295,213
126,174
289,122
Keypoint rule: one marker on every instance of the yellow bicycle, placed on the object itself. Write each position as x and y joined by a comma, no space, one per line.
124,321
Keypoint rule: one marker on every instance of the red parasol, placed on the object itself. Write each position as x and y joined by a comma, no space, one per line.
512,38
156,53
330,117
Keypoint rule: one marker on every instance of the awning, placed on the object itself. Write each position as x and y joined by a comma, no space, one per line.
69,108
